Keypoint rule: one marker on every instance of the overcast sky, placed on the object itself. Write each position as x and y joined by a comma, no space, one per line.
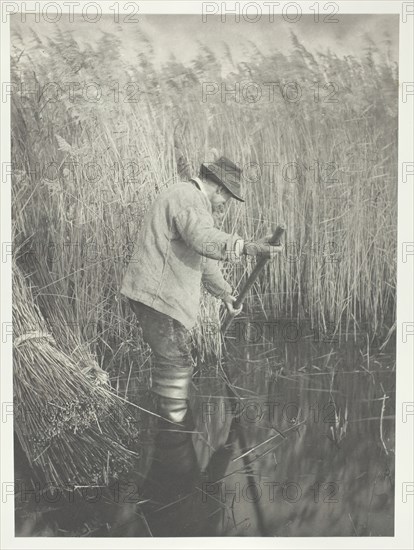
178,34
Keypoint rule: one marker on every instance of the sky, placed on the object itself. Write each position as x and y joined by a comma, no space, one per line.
346,37
180,34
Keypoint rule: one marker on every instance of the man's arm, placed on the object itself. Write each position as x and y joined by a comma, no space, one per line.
196,227
213,280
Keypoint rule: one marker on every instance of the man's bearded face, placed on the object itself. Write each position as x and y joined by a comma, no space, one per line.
219,211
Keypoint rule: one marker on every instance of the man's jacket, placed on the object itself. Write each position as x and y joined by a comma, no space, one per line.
177,249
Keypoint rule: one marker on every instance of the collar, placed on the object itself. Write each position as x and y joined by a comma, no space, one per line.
200,185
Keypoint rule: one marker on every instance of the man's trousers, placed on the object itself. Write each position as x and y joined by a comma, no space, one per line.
173,364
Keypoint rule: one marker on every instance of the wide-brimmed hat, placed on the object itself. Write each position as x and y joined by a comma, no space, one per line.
226,173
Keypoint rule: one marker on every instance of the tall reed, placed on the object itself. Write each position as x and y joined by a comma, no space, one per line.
86,171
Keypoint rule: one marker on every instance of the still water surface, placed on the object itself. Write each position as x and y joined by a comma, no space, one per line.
306,449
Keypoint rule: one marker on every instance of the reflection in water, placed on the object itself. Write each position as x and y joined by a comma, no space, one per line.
171,482
182,500
307,450
316,452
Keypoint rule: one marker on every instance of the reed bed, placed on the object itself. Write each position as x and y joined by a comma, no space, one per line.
85,172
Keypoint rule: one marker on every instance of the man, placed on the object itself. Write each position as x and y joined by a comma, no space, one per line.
179,248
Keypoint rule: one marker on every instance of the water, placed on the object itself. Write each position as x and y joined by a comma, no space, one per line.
321,440
315,423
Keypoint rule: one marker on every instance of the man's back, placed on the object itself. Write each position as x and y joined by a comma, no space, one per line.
166,267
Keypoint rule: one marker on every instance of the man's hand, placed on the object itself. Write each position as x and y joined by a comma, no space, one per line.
263,248
229,301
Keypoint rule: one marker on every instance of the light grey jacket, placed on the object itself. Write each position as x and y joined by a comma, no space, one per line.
177,249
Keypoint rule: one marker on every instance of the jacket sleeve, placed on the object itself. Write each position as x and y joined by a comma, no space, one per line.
213,280
196,227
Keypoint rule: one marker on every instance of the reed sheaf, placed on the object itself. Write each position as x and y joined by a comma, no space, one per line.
74,430
318,149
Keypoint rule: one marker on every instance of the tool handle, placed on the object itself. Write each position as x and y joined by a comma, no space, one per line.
258,268
280,229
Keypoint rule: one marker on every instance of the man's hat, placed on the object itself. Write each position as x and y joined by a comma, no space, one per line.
226,173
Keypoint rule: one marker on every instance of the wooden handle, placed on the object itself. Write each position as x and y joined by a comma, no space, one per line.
280,229
258,268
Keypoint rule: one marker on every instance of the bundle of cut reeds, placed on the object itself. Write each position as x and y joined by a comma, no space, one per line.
73,429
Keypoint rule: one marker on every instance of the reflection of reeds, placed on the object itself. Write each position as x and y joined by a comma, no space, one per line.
384,398
339,427
73,429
